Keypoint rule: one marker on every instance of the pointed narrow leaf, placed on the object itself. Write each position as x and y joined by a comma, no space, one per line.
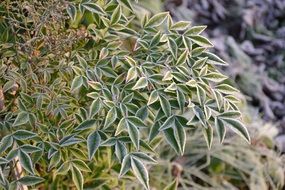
86,125
165,105
21,119
126,165
93,143
140,172
141,83
221,130
180,136
170,138
77,178
116,15
134,134
111,117
208,134
26,161
157,19
195,30
143,157
23,135
201,41
30,180
238,127
94,8
136,121
169,123
120,150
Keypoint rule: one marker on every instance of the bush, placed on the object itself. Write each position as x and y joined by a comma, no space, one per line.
88,88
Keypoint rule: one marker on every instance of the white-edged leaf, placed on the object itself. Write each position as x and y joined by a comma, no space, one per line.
157,19
93,143
111,117
91,123
141,83
30,180
140,172
125,166
94,8
201,41
77,178
23,135
226,89
134,135
21,119
26,161
208,134
238,127
221,130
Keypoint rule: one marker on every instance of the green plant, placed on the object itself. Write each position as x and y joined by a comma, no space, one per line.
93,86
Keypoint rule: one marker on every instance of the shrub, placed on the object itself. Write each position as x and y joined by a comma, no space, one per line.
92,86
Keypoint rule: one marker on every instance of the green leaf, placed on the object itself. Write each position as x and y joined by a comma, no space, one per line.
172,186
172,47
72,11
94,8
23,135
126,165
93,143
238,127
153,131
169,123
77,178
201,41
215,77
116,15
82,166
208,134
30,180
95,107
182,58
180,136
127,4
134,134
181,25
86,125
6,142
181,99
21,119
140,172
26,161
230,114
76,83
195,30
165,105
120,150
157,19
170,138
143,157
136,121
226,89
141,83
213,59
153,97
111,117
221,130
200,115
132,74
199,63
